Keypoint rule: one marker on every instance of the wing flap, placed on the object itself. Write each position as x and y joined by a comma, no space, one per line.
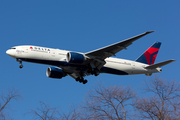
159,64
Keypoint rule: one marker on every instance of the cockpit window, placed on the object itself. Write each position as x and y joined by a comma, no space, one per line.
13,48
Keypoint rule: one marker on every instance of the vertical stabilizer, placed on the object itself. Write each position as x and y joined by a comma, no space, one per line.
149,56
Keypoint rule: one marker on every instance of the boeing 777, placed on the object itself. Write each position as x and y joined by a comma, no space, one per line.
78,65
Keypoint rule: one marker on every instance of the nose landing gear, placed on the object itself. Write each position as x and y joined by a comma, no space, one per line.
21,66
20,62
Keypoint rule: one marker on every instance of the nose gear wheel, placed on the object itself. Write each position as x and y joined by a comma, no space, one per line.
20,62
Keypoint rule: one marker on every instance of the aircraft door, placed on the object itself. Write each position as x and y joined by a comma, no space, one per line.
133,65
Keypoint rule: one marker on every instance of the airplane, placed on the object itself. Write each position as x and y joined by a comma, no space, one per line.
78,65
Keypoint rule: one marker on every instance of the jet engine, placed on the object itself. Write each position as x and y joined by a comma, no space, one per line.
75,58
54,72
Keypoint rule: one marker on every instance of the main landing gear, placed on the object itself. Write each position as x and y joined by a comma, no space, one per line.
20,62
81,80
95,72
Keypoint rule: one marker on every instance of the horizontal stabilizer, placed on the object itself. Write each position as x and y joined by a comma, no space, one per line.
159,64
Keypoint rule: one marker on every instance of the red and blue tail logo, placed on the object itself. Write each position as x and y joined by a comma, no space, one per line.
149,56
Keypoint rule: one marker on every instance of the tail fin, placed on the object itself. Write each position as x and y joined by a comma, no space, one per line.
149,56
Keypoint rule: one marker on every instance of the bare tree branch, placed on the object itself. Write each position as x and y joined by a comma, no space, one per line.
5,98
108,102
45,112
72,114
161,105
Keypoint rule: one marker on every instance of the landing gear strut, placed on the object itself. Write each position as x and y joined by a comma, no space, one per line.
81,80
95,72
20,62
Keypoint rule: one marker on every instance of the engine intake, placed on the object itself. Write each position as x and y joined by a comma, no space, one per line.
76,58
54,72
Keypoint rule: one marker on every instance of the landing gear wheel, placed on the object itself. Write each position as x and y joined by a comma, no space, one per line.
95,72
21,66
81,80
77,79
85,81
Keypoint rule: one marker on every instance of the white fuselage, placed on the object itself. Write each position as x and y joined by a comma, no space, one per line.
57,57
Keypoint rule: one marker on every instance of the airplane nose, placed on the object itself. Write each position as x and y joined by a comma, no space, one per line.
10,53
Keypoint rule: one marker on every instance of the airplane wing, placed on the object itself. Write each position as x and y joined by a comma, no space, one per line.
111,50
98,56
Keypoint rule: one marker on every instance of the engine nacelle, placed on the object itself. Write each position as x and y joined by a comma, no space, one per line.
75,58
54,72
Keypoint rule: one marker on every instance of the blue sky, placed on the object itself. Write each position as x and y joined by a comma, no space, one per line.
82,26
